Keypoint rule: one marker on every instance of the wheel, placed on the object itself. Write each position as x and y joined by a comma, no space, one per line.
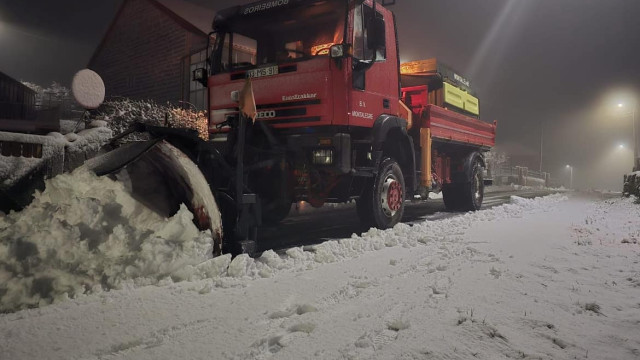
451,196
472,192
275,191
274,211
467,196
382,203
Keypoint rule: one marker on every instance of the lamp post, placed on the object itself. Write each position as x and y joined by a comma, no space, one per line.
570,176
636,158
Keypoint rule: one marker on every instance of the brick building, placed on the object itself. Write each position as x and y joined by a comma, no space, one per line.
150,49
17,101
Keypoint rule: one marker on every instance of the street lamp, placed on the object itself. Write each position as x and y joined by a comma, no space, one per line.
636,158
570,176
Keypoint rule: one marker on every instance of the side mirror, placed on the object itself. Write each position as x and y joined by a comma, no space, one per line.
339,51
200,75
376,34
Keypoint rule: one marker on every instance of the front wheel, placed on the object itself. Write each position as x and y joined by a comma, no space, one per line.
382,202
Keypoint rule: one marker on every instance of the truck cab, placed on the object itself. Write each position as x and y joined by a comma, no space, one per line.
332,121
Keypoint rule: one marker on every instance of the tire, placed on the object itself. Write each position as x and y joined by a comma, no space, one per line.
273,212
451,197
467,196
275,194
381,204
472,192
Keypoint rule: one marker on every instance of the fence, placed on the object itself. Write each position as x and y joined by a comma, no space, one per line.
29,118
519,175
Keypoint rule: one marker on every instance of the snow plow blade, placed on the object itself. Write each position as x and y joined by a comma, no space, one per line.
162,177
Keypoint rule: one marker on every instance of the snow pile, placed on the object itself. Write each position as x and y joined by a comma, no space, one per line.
609,224
13,168
89,140
86,233
123,113
76,147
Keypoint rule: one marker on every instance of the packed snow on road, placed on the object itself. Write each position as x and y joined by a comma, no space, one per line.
86,272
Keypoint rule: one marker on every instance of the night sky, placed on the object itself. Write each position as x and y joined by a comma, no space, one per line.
562,63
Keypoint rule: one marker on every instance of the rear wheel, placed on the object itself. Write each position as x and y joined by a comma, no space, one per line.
382,203
473,191
467,196
451,196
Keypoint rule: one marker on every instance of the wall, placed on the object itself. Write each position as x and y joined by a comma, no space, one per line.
142,55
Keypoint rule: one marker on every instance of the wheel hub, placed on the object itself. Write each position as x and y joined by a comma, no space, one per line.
391,197
478,188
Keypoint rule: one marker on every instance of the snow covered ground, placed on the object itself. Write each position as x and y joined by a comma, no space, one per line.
550,278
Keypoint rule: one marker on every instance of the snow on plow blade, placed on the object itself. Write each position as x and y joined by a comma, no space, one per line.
162,177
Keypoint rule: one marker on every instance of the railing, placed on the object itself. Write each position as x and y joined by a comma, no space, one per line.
518,175
17,111
29,118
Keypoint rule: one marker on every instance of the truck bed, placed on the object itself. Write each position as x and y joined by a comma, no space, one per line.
451,126
445,124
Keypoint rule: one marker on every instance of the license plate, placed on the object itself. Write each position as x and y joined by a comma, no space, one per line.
268,71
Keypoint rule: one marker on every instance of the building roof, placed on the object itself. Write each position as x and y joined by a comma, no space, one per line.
199,16
8,79
194,18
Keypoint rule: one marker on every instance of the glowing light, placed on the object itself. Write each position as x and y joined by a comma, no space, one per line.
620,105
494,44
418,67
621,146
322,49
568,166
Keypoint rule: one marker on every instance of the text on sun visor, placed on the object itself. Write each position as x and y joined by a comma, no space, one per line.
251,9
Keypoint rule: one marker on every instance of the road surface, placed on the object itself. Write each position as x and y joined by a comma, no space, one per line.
313,226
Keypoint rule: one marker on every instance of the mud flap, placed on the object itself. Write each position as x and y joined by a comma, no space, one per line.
162,177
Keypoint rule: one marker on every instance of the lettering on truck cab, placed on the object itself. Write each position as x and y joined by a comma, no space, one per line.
299,97
264,6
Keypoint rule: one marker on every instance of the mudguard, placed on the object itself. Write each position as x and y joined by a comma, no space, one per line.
383,126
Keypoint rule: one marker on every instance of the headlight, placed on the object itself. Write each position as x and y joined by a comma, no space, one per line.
337,51
322,157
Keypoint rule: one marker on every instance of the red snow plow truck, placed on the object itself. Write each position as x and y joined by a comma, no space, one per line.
316,108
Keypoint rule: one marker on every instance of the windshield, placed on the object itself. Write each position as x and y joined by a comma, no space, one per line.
279,36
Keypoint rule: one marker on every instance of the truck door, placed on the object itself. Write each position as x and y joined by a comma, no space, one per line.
374,85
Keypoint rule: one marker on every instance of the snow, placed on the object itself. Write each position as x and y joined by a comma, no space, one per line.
85,234
13,168
88,89
547,278
55,148
201,195
123,113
